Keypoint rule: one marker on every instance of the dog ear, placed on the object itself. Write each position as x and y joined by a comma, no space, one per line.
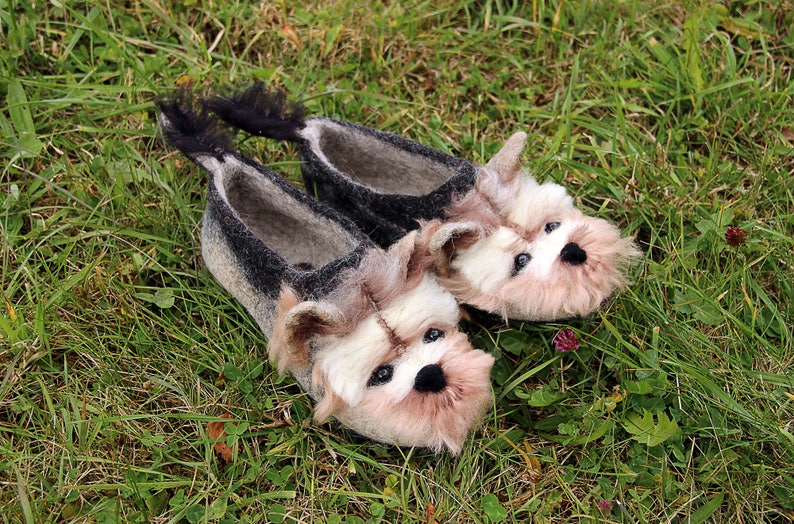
403,250
407,254
296,323
438,242
507,162
330,404
452,237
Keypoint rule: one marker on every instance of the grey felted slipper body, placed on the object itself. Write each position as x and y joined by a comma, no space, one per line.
499,240
368,333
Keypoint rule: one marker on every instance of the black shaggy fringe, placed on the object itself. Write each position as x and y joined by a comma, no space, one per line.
260,111
189,127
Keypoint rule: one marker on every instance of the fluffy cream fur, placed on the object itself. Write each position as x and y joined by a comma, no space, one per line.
547,288
507,215
380,316
436,419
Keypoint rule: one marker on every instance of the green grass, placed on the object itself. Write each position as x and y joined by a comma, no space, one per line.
117,349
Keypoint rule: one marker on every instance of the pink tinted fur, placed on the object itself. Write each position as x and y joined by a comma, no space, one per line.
572,290
444,418
433,420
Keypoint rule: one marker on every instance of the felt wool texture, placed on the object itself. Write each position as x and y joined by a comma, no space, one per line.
369,333
384,182
483,228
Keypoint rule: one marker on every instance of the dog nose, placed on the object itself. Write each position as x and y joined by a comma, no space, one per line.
430,379
573,254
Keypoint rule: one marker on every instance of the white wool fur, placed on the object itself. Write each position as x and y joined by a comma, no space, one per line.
489,261
423,307
546,247
347,362
533,199
482,270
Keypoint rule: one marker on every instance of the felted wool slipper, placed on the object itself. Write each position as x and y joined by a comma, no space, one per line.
368,333
499,240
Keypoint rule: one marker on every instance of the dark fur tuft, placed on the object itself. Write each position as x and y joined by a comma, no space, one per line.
189,128
260,111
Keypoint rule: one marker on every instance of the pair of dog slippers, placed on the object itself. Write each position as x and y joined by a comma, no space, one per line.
357,290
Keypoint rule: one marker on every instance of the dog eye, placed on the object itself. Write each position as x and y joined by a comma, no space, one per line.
551,226
520,262
381,376
432,334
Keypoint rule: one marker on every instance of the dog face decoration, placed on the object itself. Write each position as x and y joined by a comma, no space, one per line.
383,355
533,255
